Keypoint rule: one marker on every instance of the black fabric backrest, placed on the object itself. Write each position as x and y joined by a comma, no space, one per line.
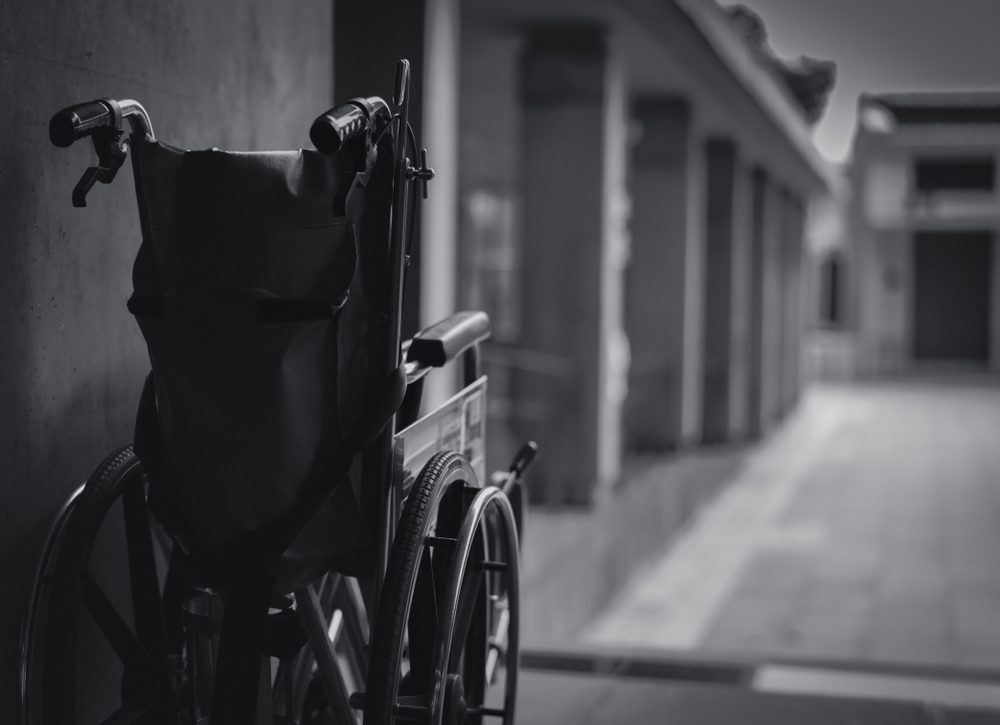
241,290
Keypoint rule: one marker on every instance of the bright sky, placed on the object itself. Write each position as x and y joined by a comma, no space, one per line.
886,45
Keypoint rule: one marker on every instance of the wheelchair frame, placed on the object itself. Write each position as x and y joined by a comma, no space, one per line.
446,549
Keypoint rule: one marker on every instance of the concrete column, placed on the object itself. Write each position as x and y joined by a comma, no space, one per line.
773,294
793,302
570,91
439,220
758,230
694,304
741,307
720,178
659,289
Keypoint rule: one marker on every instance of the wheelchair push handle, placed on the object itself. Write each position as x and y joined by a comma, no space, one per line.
73,123
102,120
342,124
102,117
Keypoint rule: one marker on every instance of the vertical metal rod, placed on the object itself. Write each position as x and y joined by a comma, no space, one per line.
397,226
397,266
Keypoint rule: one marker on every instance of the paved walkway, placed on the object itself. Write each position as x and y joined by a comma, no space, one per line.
556,698
867,528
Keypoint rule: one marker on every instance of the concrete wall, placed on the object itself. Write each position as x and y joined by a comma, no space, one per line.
227,73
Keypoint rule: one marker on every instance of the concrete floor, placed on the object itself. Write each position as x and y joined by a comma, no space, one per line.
867,528
558,698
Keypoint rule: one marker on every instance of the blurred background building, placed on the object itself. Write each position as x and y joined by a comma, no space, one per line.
922,285
634,183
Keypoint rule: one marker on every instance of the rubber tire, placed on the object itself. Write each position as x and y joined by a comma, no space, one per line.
69,569
444,470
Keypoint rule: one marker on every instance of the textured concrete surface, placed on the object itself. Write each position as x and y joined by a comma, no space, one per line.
867,529
229,74
574,560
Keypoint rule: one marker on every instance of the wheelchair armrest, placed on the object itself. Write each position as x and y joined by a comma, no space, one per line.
444,341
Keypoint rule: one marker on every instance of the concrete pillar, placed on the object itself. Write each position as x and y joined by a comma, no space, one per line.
490,212
741,307
439,220
773,294
694,304
793,300
572,113
755,369
720,178
662,309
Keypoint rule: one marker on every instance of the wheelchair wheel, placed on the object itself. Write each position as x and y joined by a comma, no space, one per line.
98,631
445,639
104,638
35,608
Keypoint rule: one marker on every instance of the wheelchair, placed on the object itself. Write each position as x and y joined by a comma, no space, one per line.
288,539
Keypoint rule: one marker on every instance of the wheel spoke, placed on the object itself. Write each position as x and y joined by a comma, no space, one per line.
129,649
147,607
423,622
476,637
411,708
469,601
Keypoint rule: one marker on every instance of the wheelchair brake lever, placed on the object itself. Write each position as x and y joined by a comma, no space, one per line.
112,150
84,185
523,458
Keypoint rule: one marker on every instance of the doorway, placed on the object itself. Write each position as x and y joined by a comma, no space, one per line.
952,272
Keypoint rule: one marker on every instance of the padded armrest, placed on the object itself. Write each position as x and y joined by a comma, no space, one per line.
444,341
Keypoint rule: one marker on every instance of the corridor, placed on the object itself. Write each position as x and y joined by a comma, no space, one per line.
867,529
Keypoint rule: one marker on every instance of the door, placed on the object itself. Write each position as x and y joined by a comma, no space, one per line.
952,295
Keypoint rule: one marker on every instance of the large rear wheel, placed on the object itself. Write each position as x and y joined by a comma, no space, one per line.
444,643
116,632
100,644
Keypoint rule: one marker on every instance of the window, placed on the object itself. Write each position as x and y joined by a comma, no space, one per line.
954,174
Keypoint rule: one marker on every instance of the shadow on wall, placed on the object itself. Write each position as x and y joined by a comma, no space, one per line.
226,73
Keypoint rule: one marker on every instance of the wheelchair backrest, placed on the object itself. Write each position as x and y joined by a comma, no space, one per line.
258,326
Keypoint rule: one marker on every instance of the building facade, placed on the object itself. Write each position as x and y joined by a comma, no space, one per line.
634,182
923,216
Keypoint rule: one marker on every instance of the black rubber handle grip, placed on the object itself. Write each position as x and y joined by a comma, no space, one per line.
75,122
338,126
